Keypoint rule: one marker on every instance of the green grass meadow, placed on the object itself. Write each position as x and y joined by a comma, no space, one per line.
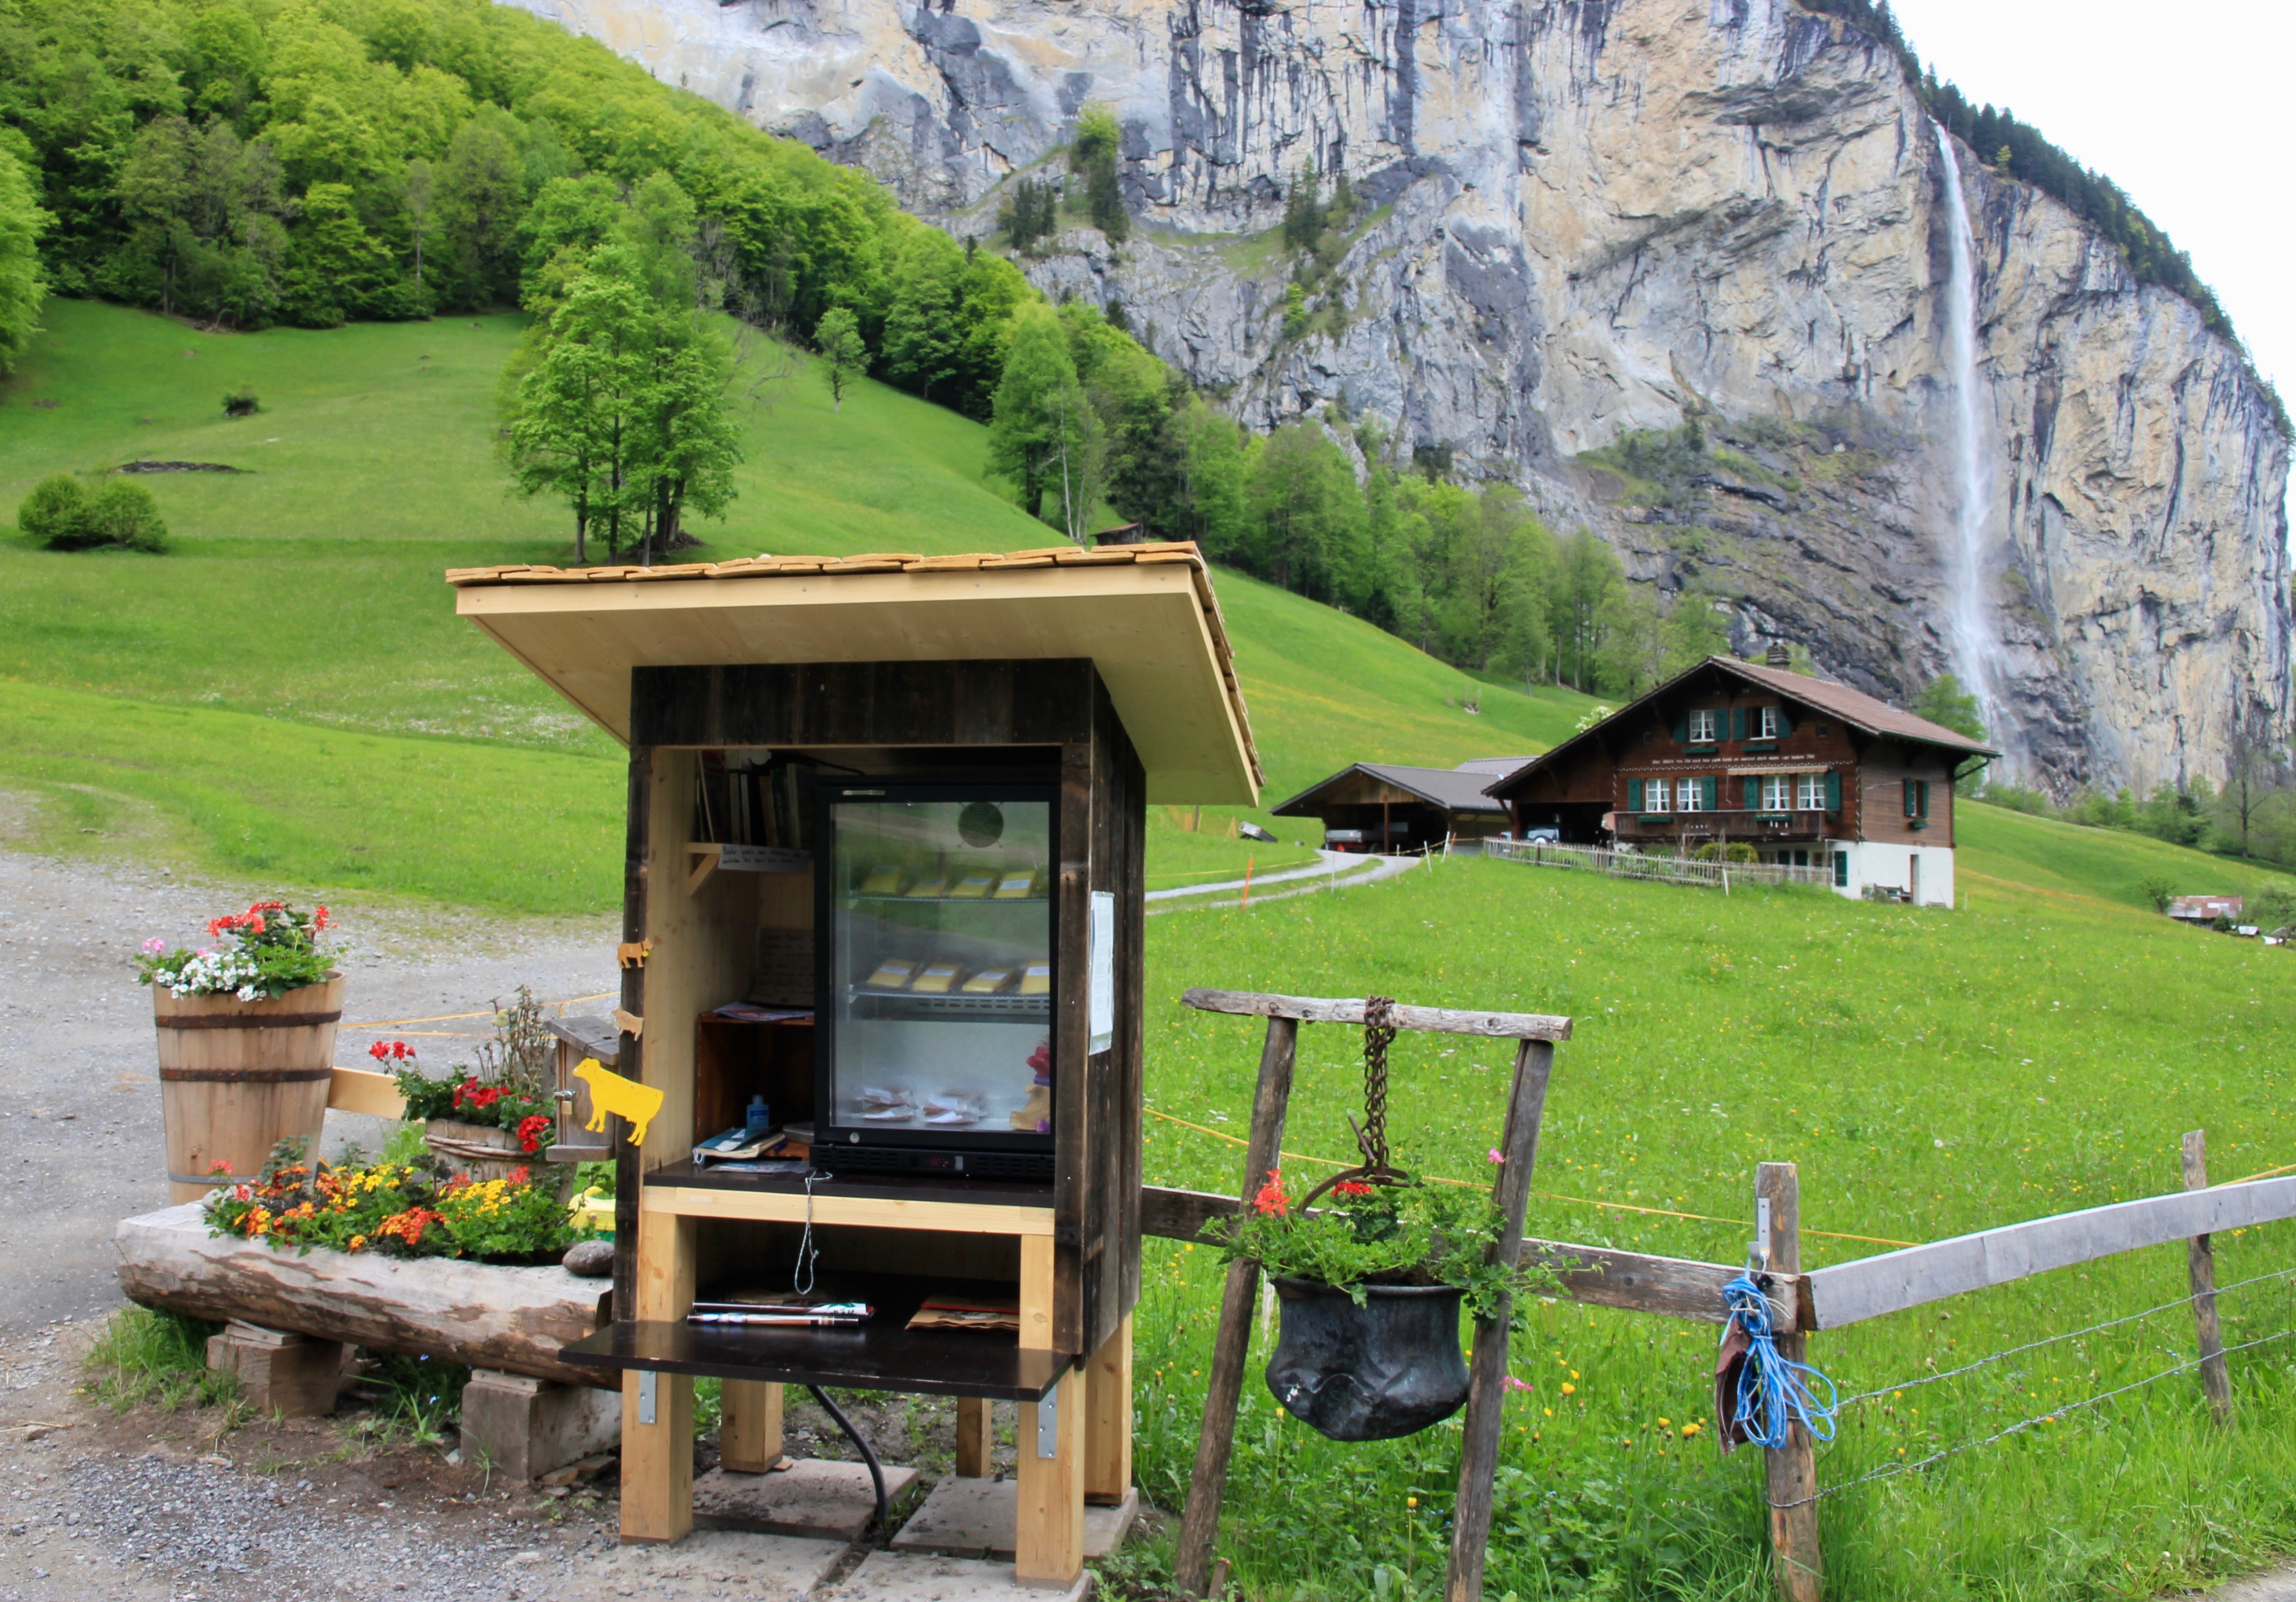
287,699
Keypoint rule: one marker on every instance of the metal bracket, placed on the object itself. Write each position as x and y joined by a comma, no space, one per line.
1761,1245
1048,1424
649,1395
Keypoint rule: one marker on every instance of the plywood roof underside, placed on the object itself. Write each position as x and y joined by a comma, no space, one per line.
1146,614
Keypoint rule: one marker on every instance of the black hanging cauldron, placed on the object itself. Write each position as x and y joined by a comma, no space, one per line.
1390,1368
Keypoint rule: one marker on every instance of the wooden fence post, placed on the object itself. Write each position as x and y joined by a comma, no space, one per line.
2201,1260
1794,1466
1200,1520
1479,1446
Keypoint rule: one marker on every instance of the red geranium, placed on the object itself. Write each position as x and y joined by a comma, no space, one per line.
1271,1198
529,1131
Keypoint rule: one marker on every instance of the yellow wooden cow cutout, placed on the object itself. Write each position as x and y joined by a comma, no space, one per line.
611,1093
632,954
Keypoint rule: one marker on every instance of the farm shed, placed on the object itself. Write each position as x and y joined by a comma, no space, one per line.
1381,806
1809,773
911,792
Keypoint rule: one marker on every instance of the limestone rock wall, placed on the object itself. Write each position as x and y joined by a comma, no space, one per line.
1588,217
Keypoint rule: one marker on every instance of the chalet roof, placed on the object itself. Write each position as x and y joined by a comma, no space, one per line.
1453,789
1859,711
1490,765
1146,614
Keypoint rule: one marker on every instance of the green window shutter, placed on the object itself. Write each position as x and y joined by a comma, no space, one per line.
1922,794
1633,795
1785,720
1909,797
1706,792
1833,792
1682,728
1754,794
1841,870
1737,723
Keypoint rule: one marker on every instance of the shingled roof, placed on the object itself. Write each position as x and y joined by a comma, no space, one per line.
1452,789
1069,602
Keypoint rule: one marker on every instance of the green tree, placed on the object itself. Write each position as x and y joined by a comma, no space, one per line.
1039,409
1694,631
924,342
1095,153
688,445
1306,511
481,198
337,270
577,417
1210,486
1303,212
55,511
843,356
1944,702
1589,575
24,284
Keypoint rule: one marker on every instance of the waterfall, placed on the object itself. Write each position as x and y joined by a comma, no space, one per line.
1977,645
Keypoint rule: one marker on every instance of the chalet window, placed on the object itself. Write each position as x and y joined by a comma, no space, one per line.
1917,798
1702,727
1769,723
1777,792
1689,795
1645,795
1810,792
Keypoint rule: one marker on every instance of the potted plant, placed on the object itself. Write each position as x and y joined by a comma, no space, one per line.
247,1040
498,1116
1371,1285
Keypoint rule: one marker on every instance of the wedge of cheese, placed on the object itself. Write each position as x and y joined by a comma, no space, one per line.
1013,887
1037,979
936,979
989,981
972,886
893,973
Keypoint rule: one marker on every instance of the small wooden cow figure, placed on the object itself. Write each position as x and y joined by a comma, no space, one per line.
610,1092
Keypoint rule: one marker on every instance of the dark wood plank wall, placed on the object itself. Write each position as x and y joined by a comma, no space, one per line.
1103,798
629,1167
1882,785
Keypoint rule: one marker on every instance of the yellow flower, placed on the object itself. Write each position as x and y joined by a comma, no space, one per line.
356,1241
1570,1390
1690,1429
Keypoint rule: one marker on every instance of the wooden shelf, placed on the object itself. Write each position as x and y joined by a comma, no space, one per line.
966,1206
881,1355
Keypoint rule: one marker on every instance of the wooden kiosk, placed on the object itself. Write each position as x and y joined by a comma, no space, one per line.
1104,680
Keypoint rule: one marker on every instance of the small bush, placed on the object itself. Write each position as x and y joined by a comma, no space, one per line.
62,515
239,403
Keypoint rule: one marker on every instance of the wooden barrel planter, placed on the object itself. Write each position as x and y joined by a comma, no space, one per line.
238,1076
482,1151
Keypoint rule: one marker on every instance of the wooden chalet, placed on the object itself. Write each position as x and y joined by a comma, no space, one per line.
1381,806
1808,772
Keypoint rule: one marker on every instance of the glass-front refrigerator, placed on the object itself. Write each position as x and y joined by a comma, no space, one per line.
934,1051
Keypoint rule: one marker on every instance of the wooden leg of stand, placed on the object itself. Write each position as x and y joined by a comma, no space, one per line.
749,1440
1108,1419
1048,1544
657,1408
976,1438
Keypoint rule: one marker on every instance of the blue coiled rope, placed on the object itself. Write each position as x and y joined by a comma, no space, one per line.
1774,1391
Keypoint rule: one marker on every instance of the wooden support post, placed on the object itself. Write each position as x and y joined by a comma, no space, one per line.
1199,1519
976,1437
1794,1466
1478,1450
2201,1260
657,1408
1108,1419
1048,1532
750,1440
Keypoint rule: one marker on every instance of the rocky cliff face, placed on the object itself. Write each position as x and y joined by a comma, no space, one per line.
1587,218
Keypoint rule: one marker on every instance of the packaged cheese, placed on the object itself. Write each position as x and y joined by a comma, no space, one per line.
971,886
988,982
1012,887
930,887
881,882
936,979
893,973
1037,979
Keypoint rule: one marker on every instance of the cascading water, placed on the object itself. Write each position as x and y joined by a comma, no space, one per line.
1977,645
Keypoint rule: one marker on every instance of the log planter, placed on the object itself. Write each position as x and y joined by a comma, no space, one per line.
480,1150
238,1076
484,1315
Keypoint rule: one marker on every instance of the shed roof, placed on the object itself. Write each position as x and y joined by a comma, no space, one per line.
1146,614
1453,789
1859,711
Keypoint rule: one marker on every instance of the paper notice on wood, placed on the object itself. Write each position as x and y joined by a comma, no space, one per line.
785,968
1104,971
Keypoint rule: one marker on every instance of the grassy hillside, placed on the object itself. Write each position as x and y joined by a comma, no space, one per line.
1930,1073
305,588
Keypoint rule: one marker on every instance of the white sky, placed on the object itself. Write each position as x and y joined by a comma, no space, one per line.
2188,111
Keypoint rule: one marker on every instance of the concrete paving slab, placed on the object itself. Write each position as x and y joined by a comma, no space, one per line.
713,1562
813,1497
923,1577
976,1518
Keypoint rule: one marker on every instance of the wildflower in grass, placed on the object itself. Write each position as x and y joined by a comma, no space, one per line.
1513,1384
1569,1389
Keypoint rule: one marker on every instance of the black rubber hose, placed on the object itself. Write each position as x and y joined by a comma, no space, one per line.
876,1469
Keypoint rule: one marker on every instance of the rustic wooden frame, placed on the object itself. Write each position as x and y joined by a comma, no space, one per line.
1536,1035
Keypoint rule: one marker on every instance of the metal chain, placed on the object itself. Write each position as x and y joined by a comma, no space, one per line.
1378,1032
